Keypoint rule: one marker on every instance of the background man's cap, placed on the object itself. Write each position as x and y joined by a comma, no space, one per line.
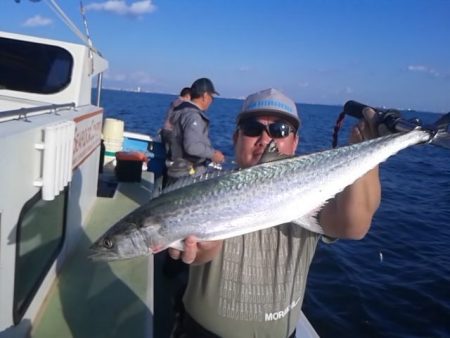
270,102
203,85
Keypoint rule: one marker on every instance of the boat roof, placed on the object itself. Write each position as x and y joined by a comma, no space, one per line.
86,63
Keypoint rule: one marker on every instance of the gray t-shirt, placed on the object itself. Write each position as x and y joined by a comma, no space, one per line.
255,286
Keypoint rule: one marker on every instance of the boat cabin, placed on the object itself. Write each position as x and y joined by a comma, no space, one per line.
50,136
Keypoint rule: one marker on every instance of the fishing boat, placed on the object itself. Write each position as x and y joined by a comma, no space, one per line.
62,186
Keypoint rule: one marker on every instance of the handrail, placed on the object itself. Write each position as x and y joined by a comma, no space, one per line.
24,113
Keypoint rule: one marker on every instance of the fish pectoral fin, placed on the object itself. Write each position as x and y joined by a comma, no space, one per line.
310,222
179,245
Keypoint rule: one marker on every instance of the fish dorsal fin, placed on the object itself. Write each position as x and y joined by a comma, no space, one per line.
188,180
271,153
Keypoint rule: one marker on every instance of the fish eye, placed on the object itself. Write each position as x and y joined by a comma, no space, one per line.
108,243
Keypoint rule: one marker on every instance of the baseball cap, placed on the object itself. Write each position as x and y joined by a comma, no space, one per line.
201,86
270,102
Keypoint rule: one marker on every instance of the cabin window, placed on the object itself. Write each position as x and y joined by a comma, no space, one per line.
40,235
34,67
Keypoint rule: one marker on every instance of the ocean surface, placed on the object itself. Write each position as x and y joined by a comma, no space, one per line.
393,283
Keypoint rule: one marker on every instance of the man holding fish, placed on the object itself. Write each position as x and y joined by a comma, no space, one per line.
250,234
252,285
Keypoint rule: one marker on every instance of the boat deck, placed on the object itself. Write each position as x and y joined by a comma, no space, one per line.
112,300
97,299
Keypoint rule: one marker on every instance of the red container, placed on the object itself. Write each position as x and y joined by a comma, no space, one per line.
129,166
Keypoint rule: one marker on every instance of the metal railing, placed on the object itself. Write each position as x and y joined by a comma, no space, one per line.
24,113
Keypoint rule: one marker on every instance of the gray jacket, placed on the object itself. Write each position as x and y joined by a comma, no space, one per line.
191,145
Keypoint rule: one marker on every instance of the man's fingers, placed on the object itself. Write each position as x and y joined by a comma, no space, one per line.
190,250
383,130
376,128
371,121
366,128
174,253
370,115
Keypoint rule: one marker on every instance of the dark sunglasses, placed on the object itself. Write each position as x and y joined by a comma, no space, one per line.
253,128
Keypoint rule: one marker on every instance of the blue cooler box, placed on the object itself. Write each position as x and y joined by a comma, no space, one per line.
157,160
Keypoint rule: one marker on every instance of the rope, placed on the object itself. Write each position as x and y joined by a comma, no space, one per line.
91,47
54,6
83,14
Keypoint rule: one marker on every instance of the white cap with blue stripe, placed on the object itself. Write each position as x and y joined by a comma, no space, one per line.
270,102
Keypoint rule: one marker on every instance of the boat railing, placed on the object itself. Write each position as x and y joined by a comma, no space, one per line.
24,113
137,136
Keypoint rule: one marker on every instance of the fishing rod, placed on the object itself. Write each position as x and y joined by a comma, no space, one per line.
394,122
391,118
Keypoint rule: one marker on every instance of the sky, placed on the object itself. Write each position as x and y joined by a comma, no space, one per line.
391,53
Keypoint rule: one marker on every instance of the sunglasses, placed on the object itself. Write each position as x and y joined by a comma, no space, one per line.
253,128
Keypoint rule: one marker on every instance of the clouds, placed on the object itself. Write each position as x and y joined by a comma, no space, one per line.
424,69
37,21
303,84
120,7
129,79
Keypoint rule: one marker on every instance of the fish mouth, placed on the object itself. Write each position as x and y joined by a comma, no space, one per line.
101,256
96,254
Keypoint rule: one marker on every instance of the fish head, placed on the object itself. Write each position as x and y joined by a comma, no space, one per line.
271,153
123,240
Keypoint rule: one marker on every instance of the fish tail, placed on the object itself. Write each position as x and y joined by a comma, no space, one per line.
442,135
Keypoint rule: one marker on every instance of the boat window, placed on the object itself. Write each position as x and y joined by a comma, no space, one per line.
40,235
34,67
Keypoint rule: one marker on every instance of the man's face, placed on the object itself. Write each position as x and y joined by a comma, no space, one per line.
208,99
204,101
249,149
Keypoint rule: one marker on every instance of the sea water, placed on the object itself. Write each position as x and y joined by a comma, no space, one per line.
393,283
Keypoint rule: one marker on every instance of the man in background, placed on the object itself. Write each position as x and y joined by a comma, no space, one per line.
166,131
191,148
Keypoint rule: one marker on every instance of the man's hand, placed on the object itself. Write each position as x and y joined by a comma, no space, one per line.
350,213
368,127
196,252
218,157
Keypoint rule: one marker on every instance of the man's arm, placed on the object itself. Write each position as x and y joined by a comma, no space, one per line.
350,213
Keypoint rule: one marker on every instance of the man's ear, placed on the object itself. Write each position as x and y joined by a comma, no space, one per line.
296,141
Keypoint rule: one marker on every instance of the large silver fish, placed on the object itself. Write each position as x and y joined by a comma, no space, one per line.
251,199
